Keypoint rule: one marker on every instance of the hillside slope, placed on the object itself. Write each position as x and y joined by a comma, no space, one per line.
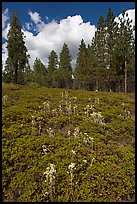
67,145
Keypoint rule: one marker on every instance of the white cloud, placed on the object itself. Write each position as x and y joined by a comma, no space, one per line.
131,16
4,54
5,17
52,35
35,17
5,24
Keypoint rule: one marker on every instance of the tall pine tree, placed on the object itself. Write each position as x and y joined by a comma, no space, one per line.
17,53
64,73
99,49
84,67
124,51
52,67
39,73
111,40
81,65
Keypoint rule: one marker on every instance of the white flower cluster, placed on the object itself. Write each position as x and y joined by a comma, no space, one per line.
33,121
5,98
54,112
69,108
92,161
73,152
75,109
71,166
98,118
76,132
87,140
46,106
66,94
125,112
50,173
89,109
60,109
39,119
97,101
50,131
45,150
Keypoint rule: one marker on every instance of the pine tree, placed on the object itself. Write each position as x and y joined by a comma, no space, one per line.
52,67
17,53
131,72
111,32
124,51
39,73
64,73
81,66
84,68
99,49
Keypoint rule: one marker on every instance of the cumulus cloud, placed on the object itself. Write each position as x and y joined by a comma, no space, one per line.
5,17
5,24
4,54
128,14
51,35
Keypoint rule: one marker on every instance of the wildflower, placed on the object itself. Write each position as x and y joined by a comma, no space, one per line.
50,173
71,166
76,132
60,108
50,178
45,150
33,121
85,161
74,108
21,125
50,131
46,106
98,118
97,101
46,194
92,161
5,98
123,104
54,112
69,133
73,152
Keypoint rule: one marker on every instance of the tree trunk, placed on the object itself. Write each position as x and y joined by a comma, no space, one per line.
125,76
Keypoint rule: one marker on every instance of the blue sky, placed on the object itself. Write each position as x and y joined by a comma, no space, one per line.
47,25
90,11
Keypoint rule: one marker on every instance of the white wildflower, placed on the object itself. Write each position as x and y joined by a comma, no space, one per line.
73,152
76,132
71,166
50,131
85,161
92,161
97,101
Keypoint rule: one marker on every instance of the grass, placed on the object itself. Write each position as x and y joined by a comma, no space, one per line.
98,139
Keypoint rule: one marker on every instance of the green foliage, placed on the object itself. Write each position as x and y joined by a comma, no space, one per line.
83,71
65,69
52,66
17,54
39,73
43,126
